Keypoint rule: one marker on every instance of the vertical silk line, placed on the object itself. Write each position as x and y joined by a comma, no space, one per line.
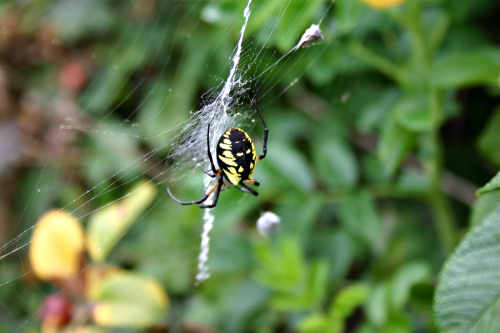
225,100
208,224
224,94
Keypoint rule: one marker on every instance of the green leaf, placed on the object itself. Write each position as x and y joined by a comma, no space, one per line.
111,84
377,308
492,185
291,165
281,268
412,182
467,67
330,60
239,300
373,169
308,293
71,18
107,226
111,147
469,286
347,300
372,116
367,328
295,20
380,314
489,321
156,125
335,162
337,247
344,304
484,206
128,300
317,282
398,322
300,210
121,314
414,112
490,137
360,218
394,145
317,323
261,12
405,278
295,285
348,14
90,329
201,311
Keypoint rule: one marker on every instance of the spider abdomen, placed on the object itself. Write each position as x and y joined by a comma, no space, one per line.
236,155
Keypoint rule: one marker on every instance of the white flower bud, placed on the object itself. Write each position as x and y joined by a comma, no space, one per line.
267,223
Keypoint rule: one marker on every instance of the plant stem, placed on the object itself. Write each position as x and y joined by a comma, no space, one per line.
442,212
422,56
377,61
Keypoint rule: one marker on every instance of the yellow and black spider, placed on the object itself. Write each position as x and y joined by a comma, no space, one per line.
236,158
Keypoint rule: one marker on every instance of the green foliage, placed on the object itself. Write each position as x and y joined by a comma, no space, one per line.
414,112
461,68
335,162
73,16
57,248
385,305
484,205
372,162
109,225
343,305
489,139
492,185
296,285
395,144
359,217
142,305
467,295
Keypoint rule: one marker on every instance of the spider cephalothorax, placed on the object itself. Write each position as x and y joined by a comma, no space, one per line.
236,155
236,158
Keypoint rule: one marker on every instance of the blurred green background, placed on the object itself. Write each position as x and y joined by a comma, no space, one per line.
374,154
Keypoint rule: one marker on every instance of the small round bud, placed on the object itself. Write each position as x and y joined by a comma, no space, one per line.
268,223
56,311
73,76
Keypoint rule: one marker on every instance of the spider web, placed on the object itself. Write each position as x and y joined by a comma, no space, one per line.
255,71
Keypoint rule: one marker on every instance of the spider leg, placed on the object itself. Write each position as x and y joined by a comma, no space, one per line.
217,193
251,190
266,132
209,173
244,190
252,181
214,171
204,198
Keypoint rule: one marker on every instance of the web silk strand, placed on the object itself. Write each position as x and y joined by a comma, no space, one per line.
224,99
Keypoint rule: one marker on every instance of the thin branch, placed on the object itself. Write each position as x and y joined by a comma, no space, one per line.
377,61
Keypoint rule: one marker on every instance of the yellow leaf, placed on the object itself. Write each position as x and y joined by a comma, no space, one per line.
123,315
83,329
94,274
56,246
107,226
128,300
383,4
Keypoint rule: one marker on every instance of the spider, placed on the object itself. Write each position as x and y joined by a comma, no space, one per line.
236,157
